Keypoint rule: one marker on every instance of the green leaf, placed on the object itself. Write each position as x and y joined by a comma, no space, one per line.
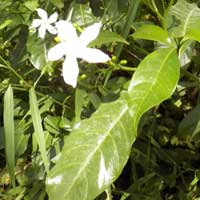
37,123
58,3
96,151
186,52
82,14
151,32
21,139
107,37
183,17
31,5
154,81
193,34
37,50
94,154
8,120
79,103
6,23
190,125
18,53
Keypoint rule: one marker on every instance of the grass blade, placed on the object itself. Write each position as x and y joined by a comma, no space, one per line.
37,123
133,9
8,120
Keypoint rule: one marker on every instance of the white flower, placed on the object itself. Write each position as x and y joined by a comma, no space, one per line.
73,47
44,23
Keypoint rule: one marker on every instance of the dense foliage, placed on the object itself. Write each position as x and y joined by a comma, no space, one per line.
128,128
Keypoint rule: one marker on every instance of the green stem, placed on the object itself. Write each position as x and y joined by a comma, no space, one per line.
8,66
128,69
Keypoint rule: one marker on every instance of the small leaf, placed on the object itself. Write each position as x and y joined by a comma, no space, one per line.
151,32
86,17
37,123
58,3
31,4
107,37
183,17
8,119
6,23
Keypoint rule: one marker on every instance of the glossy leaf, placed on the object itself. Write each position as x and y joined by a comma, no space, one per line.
183,17
155,80
94,154
98,148
37,123
107,37
151,32
8,120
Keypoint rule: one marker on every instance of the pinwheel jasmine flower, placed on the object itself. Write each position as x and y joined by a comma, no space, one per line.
44,23
72,47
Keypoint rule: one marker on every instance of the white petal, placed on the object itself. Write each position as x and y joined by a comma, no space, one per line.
56,52
42,13
51,29
42,31
70,71
89,34
53,18
93,55
66,31
36,23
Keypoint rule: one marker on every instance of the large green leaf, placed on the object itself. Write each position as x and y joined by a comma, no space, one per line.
183,17
98,148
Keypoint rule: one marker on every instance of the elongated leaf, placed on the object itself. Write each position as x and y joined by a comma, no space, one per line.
107,37
151,32
37,123
155,80
79,103
98,148
183,17
8,119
